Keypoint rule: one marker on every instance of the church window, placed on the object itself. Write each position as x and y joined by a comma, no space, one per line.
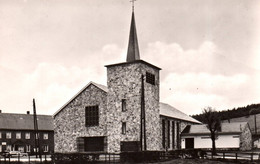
92,115
150,78
123,127
168,134
123,105
163,133
173,134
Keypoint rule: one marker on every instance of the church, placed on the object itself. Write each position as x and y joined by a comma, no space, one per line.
125,115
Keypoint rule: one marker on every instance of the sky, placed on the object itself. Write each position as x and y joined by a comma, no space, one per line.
209,50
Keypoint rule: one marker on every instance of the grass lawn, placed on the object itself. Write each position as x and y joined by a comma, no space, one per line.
191,161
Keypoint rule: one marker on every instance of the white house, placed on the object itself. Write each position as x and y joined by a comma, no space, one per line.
236,135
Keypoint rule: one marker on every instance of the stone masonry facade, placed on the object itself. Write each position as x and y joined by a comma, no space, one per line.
124,82
246,139
69,124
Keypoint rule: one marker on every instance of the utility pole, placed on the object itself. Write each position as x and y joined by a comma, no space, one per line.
143,126
36,132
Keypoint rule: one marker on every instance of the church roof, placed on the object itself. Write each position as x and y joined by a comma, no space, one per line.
11,121
165,109
226,128
133,48
170,111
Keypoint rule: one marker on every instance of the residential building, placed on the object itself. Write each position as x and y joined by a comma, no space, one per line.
235,135
17,133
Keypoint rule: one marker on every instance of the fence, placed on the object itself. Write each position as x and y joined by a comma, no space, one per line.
234,156
131,157
45,159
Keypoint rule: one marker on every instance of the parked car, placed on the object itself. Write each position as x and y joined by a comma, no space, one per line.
16,154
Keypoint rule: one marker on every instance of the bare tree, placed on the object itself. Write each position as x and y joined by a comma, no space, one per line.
213,124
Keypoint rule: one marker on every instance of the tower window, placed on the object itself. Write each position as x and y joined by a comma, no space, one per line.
150,78
123,127
123,105
92,116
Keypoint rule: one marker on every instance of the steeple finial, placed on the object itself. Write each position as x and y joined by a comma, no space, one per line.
133,5
133,49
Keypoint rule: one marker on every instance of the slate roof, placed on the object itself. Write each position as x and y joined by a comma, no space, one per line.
12,121
170,111
226,128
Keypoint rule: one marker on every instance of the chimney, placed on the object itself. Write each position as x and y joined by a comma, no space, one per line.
28,112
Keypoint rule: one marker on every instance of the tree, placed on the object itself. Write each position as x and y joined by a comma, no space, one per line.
212,121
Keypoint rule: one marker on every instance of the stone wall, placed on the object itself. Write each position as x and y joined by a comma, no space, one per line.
124,82
69,123
246,139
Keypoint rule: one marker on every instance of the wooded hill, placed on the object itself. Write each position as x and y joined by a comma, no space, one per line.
234,113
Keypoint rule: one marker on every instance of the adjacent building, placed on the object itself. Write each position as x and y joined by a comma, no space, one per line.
125,115
236,135
17,132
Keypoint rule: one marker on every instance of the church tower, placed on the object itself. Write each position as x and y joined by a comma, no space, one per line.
133,102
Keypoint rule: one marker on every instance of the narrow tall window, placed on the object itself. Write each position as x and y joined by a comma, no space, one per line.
0,135
163,133
28,148
123,105
8,135
45,148
123,127
92,116
168,134
173,134
0,148
178,135
150,78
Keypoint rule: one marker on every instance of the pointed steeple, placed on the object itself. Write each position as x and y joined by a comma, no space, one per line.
133,49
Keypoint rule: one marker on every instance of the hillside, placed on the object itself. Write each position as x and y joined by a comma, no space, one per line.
251,120
240,114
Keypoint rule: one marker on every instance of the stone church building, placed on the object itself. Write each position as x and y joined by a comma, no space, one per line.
124,116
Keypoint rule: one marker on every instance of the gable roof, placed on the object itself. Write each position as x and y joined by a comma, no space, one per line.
102,87
10,121
226,128
170,111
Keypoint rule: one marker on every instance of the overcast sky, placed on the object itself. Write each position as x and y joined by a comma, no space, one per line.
209,50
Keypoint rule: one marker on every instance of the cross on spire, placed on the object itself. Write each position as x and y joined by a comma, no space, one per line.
133,4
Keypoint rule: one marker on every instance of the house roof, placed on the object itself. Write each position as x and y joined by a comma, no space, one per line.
102,87
12,121
226,128
170,111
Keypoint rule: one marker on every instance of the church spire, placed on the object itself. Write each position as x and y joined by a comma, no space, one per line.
133,49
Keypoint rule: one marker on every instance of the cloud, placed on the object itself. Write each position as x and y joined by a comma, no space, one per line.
195,78
53,84
207,58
